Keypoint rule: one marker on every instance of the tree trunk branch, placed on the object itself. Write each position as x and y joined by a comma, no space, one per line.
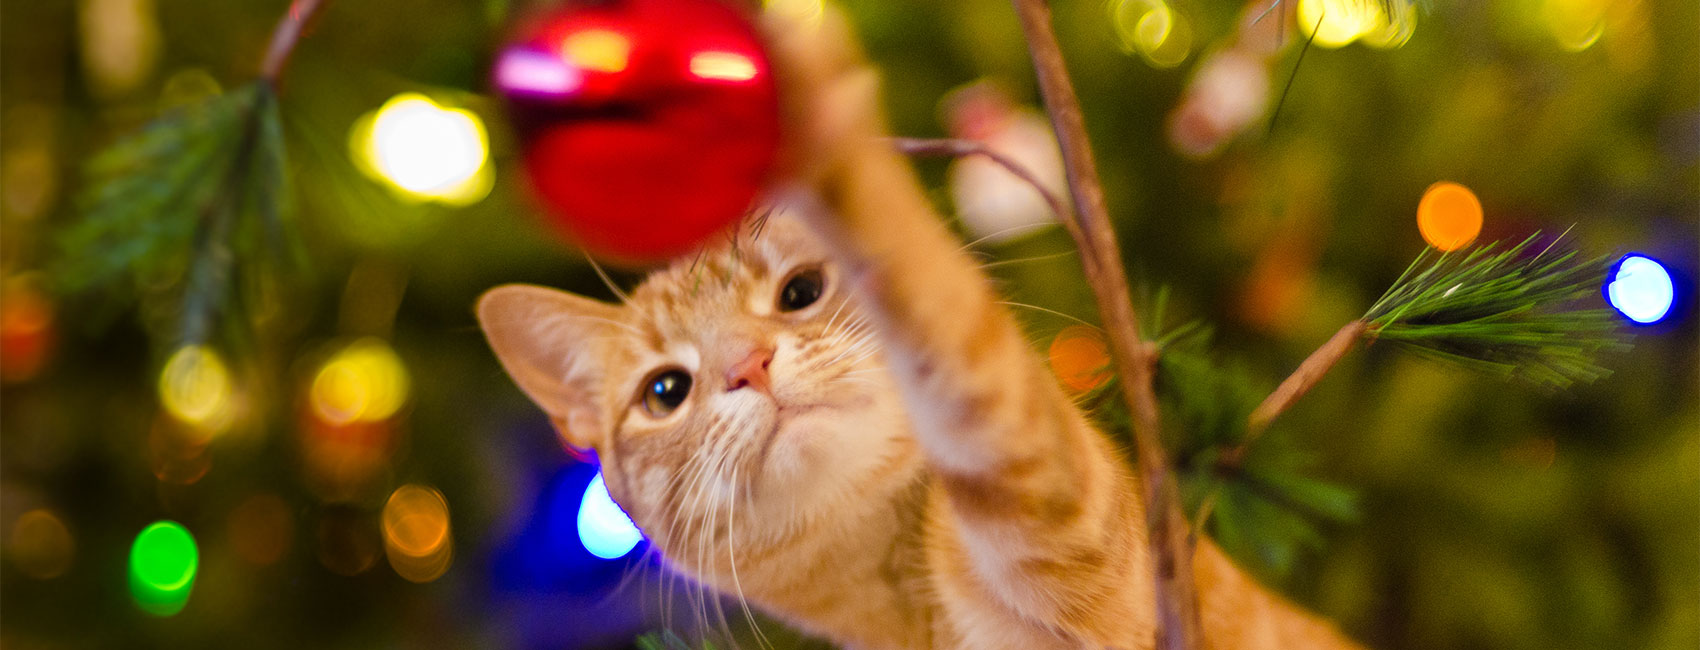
1089,225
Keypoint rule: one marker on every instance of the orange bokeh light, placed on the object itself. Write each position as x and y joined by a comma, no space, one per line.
416,533
1080,358
1449,216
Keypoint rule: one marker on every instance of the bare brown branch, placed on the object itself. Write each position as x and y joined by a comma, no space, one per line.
950,147
1296,385
1171,551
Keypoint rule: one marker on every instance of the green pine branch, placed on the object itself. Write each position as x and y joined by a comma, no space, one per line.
193,201
1517,312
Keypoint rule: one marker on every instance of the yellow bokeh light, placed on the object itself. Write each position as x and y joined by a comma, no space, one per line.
41,547
426,151
416,533
365,381
1575,24
195,388
1392,32
598,50
1334,23
1153,30
723,66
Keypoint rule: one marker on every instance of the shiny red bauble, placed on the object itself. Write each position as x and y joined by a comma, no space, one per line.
648,125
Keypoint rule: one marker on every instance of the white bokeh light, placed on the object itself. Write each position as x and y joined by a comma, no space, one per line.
427,151
603,527
1641,289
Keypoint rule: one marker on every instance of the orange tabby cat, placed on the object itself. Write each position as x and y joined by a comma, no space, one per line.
835,419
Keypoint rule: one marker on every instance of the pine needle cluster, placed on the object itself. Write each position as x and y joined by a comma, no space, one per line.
1519,312
196,200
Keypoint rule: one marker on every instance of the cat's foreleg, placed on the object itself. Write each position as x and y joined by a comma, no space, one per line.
1031,490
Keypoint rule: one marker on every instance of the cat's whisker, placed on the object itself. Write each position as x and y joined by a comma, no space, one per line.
605,279
1006,231
1024,260
732,555
1052,312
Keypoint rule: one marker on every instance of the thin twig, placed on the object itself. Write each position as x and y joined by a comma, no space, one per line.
958,148
287,35
1296,385
1089,224
1295,75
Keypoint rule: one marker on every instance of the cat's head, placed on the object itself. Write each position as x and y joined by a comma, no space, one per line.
744,381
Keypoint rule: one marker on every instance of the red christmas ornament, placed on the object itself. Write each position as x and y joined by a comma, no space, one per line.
649,125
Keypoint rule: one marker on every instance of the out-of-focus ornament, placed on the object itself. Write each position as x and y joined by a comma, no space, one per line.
1449,216
1229,92
995,204
648,125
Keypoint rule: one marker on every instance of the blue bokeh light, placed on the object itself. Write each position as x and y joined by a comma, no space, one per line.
603,527
1641,289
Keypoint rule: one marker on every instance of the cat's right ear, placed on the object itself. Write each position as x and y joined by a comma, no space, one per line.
553,344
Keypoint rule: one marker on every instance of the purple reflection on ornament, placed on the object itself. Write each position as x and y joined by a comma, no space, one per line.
538,73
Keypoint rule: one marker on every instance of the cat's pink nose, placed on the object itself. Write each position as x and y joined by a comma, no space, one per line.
751,371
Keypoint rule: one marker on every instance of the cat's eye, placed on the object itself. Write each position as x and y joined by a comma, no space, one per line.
801,290
665,391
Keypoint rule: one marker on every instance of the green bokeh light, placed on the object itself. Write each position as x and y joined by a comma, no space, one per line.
163,562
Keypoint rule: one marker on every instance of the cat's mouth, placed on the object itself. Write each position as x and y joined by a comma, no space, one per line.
781,417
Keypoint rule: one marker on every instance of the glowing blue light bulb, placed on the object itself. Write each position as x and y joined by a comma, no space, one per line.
1641,289
603,527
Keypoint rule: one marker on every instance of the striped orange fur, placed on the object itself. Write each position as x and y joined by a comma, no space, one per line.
906,473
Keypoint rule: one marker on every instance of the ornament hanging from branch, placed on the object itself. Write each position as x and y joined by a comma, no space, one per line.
648,125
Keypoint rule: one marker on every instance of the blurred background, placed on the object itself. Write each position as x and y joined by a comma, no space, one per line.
355,471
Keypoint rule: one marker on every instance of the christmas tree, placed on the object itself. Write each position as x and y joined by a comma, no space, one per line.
245,398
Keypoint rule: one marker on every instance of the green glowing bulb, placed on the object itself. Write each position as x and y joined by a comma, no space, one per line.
163,562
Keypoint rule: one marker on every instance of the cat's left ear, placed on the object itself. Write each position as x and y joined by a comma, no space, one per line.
554,345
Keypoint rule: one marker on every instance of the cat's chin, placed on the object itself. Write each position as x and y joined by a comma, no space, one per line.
820,455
